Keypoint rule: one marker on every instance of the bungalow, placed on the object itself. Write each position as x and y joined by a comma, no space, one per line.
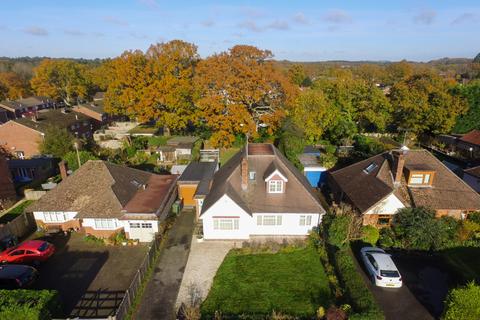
472,178
194,183
22,137
381,185
102,199
258,192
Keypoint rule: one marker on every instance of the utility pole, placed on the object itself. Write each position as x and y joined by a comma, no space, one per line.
75,144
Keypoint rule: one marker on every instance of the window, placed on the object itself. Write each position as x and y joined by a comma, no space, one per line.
384,219
275,186
54,217
225,224
251,175
17,253
269,220
108,224
20,154
146,225
134,225
372,166
372,261
143,225
305,220
420,178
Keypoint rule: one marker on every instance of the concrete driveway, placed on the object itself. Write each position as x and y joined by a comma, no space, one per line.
397,304
158,301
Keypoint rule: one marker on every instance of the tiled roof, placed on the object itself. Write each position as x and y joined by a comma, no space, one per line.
49,117
473,171
472,137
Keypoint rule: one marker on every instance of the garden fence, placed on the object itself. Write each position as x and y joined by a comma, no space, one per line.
21,226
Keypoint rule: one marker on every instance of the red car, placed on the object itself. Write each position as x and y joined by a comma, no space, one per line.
33,251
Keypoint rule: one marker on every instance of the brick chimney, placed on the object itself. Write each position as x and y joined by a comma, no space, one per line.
398,164
63,169
244,173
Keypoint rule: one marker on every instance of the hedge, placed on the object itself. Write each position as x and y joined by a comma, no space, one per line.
29,304
356,291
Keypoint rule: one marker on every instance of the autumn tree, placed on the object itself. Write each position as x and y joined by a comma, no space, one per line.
61,80
156,85
397,71
426,103
12,86
240,90
314,113
297,75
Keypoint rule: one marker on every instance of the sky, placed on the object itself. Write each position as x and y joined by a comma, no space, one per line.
298,30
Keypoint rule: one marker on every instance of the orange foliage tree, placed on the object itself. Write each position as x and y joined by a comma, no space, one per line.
12,86
156,85
240,90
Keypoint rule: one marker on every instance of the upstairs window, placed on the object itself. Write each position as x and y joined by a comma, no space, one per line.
275,186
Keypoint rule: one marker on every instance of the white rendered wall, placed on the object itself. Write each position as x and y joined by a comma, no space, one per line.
389,205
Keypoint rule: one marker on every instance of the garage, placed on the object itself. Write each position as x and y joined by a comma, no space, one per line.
144,231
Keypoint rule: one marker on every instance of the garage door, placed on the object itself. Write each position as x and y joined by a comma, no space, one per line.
143,231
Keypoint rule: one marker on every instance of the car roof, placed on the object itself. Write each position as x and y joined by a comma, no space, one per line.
31,244
384,261
9,271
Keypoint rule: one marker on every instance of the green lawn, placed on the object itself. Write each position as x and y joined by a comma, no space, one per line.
226,154
465,261
293,283
15,212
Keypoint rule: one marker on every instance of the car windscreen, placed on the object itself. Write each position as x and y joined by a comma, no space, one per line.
43,247
389,273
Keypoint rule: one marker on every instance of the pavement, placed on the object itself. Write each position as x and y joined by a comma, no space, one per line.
200,271
158,301
397,304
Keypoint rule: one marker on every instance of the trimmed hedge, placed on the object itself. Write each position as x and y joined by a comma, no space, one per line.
29,304
356,291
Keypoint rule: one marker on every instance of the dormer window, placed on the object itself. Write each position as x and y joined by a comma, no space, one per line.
275,186
417,178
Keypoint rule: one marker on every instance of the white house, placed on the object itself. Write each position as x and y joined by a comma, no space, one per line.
101,199
259,193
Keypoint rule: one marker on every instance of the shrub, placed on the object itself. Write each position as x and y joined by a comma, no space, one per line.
370,235
474,217
387,238
463,303
356,290
29,304
117,238
93,240
338,231
328,160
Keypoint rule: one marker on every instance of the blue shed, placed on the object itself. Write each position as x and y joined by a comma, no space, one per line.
315,175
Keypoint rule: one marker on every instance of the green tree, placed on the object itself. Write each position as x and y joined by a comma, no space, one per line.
297,75
471,119
463,303
72,160
426,103
57,142
61,79
477,58
291,142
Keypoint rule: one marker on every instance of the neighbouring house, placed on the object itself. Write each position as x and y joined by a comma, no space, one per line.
258,192
183,146
381,185
7,187
316,174
25,107
178,169
472,178
166,154
99,117
22,137
3,116
469,144
34,170
98,96
102,199
194,183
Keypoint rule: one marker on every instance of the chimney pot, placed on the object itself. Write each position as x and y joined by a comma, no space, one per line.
244,172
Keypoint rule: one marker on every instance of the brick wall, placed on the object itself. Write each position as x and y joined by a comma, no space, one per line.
72,224
100,233
15,137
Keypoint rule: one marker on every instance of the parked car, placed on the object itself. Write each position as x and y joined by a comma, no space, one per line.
17,276
33,251
8,242
381,268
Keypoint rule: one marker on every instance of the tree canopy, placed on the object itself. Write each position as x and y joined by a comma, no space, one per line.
471,119
57,142
12,86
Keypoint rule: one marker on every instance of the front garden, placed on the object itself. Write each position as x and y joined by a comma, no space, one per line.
291,281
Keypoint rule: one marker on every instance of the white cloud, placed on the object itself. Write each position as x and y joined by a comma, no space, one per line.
115,20
425,17
300,18
338,17
465,18
36,31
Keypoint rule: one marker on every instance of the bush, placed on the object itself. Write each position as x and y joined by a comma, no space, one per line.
474,217
118,238
29,304
463,303
328,160
370,235
93,240
356,290
387,238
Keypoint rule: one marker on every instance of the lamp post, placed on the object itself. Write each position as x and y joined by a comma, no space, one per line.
75,144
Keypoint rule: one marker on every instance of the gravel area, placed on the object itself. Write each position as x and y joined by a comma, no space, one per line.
204,260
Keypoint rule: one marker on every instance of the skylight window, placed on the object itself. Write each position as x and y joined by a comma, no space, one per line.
372,166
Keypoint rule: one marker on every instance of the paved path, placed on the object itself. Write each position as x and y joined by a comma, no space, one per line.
159,298
397,304
204,260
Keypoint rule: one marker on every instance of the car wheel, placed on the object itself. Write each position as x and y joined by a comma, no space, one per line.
3,262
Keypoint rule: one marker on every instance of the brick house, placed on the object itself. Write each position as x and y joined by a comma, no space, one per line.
22,137
102,199
381,185
25,107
